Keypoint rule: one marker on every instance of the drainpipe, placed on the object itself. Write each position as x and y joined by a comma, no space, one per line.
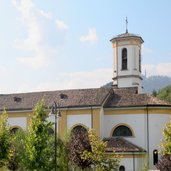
133,161
148,141
91,117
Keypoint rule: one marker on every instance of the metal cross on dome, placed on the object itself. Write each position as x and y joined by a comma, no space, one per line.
126,25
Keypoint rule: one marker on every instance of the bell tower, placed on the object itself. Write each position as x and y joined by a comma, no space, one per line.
127,60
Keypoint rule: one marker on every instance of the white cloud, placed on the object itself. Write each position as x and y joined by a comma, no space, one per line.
45,14
90,37
75,80
34,43
61,25
159,69
95,78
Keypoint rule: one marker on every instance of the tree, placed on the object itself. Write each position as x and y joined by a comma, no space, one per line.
165,94
38,143
62,155
78,143
166,142
4,139
164,163
16,151
154,93
97,156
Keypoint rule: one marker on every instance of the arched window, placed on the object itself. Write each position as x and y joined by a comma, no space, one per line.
124,59
155,157
14,130
51,131
121,168
79,130
123,131
140,60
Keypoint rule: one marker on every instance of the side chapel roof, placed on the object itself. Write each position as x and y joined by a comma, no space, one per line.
119,144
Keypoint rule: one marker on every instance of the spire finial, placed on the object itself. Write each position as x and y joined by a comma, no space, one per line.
126,25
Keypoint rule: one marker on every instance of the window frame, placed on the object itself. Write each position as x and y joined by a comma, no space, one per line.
122,125
124,58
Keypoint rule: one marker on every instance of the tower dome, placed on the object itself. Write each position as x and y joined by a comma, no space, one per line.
127,60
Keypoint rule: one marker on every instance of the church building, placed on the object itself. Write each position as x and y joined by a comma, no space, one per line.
130,121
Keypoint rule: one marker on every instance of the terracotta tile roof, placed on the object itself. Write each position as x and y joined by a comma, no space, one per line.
65,98
119,144
125,97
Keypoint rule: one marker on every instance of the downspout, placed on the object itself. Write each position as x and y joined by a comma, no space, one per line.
148,141
91,117
133,161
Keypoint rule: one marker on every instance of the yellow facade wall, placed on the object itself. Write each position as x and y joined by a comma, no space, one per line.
95,119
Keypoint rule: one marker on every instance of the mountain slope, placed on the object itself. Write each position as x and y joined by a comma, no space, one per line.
152,83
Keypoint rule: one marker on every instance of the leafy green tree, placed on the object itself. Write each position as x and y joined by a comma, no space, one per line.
166,142
16,151
4,139
165,94
97,156
62,155
38,143
154,93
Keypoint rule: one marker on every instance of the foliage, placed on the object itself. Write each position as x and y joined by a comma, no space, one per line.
166,142
16,150
164,163
78,143
146,164
62,155
165,94
4,139
154,93
38,143
97,155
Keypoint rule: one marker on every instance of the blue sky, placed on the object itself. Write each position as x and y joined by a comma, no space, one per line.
64,44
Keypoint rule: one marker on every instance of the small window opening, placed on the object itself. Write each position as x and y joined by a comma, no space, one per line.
124,59
17,99
155,157
122,130
51,131
14,130
63,96
121,168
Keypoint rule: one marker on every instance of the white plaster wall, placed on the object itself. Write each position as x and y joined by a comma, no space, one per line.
156,124
127,163
130,164
130,82
18,121
84,119
135,121
133,66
